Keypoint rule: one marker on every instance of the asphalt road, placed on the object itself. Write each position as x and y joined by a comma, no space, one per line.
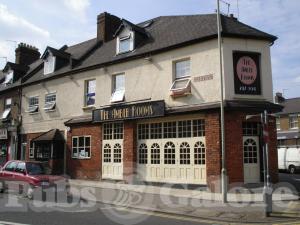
16,210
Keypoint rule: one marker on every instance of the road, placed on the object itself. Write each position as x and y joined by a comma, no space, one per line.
33,213
16,210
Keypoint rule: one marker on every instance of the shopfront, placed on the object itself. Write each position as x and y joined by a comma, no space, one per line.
4,145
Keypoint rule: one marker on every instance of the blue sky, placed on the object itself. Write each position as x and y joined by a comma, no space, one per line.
59,22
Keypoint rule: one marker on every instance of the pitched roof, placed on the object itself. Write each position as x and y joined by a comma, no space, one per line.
291,105
164,33
51,135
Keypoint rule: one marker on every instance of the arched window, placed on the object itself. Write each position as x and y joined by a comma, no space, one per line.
185,153
199,153
250,151
117,153
155,154
169,153
107,153
143,154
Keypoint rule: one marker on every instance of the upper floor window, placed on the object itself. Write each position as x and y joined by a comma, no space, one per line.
125,43
7,108
90,92
182,81
50,101
33,105
293,121
49,64
278,123
118,88
9,76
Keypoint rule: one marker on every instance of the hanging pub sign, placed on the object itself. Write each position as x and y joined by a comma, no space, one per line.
246,66
130,111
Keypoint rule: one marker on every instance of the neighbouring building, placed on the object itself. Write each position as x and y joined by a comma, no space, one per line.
10,102
287,121
142,102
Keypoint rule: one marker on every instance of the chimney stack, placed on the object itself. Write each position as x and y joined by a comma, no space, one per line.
279,98
26,54
107,25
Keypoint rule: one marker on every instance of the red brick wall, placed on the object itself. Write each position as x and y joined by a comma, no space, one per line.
85,168
129,150
213,150
234,148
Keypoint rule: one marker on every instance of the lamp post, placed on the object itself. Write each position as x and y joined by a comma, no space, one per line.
267,190
223,172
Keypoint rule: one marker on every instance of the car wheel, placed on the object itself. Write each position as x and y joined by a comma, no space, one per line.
292,169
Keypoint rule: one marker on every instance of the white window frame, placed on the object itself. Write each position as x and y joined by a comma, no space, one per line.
186,78
50,105
86,92
278,127
49,64
31,106
118,94
7,108
129,37
9,76
84,146
292,123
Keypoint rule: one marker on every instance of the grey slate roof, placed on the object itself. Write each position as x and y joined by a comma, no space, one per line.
291,106
166,32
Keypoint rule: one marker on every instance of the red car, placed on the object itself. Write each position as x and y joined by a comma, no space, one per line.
27,176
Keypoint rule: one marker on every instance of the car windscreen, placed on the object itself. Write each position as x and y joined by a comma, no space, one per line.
35,169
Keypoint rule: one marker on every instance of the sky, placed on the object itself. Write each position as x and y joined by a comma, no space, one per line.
57,22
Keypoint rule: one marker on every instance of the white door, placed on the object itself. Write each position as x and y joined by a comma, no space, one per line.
171,160
251,159
112,151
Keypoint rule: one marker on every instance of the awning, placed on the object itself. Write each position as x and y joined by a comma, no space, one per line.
50,136
288,135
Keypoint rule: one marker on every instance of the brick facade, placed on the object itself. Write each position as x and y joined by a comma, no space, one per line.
129,152
89,169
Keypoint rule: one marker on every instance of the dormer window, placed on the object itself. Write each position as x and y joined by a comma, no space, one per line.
125,42
9,78
49,64
7,108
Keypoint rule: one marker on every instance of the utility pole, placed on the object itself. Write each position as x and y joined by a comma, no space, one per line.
223,172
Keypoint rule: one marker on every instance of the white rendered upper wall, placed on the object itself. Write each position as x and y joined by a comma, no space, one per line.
147,80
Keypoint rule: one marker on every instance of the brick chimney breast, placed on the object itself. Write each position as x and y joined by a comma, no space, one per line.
107,25
26,54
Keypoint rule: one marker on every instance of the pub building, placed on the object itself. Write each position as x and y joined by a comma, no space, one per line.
141,102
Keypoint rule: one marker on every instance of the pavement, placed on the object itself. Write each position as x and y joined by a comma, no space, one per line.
244,205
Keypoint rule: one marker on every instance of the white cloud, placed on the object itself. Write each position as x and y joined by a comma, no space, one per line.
78,6
7,18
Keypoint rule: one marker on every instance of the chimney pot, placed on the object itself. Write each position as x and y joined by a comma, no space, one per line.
26,54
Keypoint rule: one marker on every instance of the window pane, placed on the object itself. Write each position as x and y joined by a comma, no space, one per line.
87,141
182,69
81,141
75,142
50,98
170,130
124,45
90,92
119,82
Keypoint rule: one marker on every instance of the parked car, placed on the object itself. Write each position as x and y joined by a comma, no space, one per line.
28,176
289,159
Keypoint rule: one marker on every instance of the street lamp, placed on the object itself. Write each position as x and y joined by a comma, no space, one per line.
267,191
223,172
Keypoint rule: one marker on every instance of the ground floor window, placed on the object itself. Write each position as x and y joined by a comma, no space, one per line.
81,147
31,149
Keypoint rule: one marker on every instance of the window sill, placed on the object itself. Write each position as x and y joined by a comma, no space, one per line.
49,111
90,107
81,158
33,113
